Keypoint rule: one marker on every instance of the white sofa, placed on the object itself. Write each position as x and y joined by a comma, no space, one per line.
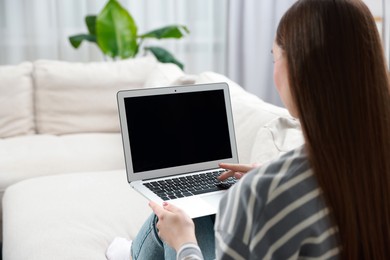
61,158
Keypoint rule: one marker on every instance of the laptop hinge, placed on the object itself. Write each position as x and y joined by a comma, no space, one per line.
170,176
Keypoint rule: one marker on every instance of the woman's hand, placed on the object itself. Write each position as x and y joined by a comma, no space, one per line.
235,170
174,226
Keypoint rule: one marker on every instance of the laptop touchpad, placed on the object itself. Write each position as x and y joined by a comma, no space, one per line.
213,199
199,206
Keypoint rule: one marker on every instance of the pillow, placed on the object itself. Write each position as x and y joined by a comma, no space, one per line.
250,114
81,97
275,138
16,100
263,131
164,74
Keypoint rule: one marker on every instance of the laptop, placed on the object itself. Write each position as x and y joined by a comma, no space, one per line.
173,139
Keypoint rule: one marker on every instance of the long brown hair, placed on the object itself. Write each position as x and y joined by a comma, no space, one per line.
338,81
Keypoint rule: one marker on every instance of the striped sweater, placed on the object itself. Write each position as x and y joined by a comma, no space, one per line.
276,212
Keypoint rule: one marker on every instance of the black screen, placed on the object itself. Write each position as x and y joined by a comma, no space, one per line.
177,129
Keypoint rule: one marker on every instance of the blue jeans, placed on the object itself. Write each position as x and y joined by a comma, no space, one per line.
148,245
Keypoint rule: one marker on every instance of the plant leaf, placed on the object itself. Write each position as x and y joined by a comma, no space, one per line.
164,56
116,31
90,21
76,40
172,31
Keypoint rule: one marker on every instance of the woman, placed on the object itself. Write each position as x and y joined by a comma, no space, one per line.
331,197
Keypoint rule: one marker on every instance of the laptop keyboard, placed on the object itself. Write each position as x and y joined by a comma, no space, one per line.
190,185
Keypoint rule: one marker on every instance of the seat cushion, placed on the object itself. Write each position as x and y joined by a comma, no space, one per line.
26,157
72,216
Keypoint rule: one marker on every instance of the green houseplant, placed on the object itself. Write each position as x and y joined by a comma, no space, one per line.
116,34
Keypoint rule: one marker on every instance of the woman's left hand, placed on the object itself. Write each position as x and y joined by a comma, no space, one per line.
174,226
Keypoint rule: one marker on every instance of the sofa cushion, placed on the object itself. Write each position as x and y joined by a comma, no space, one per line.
72,216
163,75
16,100
279,136
27,157
255,121
81,97
250,114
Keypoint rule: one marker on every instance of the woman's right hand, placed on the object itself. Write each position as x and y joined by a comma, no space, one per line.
174,226
235,170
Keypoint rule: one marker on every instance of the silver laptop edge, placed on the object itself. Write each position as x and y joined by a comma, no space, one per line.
205,206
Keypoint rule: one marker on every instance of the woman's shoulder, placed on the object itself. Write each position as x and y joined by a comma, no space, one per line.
278,200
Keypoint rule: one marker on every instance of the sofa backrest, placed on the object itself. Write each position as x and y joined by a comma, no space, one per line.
58,97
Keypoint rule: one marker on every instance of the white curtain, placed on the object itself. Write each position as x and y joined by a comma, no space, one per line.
251,30
39,29
386,29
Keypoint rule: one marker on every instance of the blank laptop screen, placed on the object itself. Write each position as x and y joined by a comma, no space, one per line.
177,129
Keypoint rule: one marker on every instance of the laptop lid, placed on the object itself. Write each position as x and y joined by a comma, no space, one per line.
175,130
